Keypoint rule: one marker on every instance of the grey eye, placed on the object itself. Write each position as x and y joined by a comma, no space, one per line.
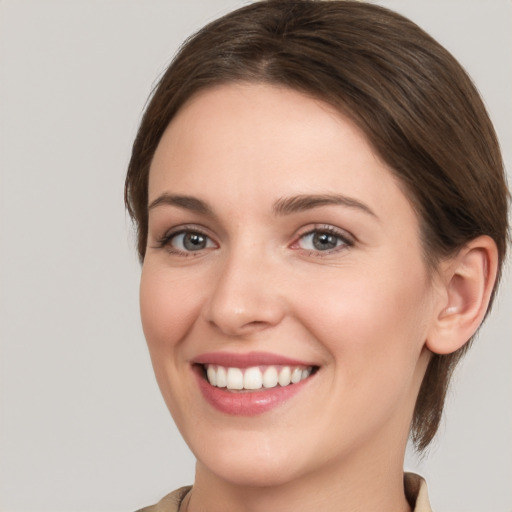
189,241
325,241
320,241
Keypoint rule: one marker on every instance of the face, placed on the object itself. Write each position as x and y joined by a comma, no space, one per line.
284,297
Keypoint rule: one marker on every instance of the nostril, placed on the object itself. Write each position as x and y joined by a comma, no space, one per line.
237,327
256,323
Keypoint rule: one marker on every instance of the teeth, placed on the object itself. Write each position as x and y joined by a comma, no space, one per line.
285,376
255,377
221,377
252,378
270,378
212,375
235,379
296,375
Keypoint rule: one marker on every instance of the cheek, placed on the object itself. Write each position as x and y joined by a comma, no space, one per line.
169,306
373,320
168,313
372,331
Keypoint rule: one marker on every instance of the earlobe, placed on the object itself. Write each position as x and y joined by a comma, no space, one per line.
468,279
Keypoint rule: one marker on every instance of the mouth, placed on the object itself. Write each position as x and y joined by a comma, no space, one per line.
255,378
250,384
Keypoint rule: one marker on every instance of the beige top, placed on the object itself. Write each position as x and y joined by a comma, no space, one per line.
415,491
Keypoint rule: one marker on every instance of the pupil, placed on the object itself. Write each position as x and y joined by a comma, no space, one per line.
194,241
324,241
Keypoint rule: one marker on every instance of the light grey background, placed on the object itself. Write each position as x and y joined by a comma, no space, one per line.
82,424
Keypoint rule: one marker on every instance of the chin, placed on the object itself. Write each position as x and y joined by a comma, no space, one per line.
251,471
250,459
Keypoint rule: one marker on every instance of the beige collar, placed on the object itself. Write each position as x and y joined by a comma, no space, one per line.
416,492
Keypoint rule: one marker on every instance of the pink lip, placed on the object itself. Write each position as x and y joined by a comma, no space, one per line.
231,359
249,403
246,403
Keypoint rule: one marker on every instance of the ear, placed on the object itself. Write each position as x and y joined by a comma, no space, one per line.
466,284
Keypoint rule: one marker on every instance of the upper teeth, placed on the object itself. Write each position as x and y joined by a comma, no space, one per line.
255,377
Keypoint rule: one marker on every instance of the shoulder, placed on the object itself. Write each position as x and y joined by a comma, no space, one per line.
169,503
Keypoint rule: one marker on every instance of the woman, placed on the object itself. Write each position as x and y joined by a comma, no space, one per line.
322,219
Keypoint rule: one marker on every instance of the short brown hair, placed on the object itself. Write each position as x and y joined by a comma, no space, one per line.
412,99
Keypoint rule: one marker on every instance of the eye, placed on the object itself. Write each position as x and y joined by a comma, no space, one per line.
186,241
323,240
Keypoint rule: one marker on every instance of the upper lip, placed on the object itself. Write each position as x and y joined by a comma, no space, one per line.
247,360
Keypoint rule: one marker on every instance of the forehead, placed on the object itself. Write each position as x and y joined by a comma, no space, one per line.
251,141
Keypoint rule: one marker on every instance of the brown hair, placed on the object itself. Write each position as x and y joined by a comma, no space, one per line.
411,98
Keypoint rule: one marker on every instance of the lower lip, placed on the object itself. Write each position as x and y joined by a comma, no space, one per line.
246,403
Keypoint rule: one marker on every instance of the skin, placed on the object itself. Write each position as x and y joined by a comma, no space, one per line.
362,312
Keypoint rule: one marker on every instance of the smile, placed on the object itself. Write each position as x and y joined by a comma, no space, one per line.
250,384
256,377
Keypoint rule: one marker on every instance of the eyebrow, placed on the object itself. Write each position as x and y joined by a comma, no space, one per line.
185,202
300,203
283,206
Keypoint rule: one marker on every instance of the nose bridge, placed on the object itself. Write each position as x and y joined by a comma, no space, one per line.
245,297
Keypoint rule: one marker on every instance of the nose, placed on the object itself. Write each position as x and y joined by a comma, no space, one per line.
247,295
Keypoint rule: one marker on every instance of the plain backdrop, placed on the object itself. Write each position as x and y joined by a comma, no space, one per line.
82,423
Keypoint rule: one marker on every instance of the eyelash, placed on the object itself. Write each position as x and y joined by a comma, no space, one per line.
346,241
